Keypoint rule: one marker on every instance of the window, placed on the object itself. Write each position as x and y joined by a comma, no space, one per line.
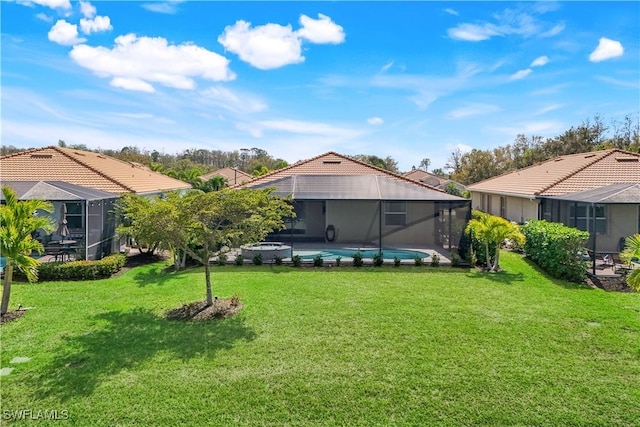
75,218
582,216
503,206
488,204
395,213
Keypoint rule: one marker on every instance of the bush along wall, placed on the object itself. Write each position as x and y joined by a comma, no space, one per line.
81,270
556,248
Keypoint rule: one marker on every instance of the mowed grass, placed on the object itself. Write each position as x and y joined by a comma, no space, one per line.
324,347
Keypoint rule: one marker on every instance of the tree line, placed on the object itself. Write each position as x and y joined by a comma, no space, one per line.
466,168
591,135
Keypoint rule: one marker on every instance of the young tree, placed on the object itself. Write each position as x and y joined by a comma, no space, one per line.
17,223
217,221
493,231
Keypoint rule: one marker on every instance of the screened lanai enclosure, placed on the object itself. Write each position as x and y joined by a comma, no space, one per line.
85,219
370,209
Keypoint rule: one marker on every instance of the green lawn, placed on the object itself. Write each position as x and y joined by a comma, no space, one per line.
408,346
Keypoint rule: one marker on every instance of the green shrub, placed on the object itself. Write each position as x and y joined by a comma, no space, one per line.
222,259
239,259
455,259
435,260
296,260
378,260
257,259
318,261
357,260
556,248
418,261
396,261
277,260
82,270
338,261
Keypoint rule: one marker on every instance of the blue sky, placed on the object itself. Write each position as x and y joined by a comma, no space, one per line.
403,79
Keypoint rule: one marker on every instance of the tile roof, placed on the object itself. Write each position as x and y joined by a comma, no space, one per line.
353,187
233,176
567,174
330,164
87,169
55,191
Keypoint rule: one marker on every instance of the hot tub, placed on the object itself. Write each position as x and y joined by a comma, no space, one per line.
269,250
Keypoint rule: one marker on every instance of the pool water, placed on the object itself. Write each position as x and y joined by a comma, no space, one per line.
331,254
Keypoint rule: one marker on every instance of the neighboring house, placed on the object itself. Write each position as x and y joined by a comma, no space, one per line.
339,199
96,182
584,190
232,175
85,209
433,180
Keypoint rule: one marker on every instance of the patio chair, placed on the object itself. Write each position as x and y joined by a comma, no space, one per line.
607,260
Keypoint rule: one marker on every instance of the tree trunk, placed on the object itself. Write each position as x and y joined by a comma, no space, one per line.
6,288
486,255
207,274
496,263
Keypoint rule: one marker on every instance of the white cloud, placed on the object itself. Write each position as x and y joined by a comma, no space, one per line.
540,61
65,34
472,109
99,23
87,9
472,32
135,63
607,49
452,12
308,128
375,121
321,30
273,45
521,21
386,67
44,17
232,101
520,74
53,4
169,8
553,31
265,47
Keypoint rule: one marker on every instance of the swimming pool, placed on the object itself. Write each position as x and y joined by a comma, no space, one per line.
387,253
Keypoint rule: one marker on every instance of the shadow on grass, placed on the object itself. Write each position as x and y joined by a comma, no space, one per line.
503,277
559,282
128,340
157,274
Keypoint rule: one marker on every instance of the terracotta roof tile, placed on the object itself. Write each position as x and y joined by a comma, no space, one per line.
233,176
85,168
330,163
567,174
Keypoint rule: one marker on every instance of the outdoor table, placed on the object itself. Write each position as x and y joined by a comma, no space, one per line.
66,248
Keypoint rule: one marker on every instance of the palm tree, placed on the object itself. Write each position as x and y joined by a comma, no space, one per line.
493,231
632,252
17,222
478,227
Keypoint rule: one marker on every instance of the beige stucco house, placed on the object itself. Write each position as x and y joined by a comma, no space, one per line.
85,186
592,191
339,199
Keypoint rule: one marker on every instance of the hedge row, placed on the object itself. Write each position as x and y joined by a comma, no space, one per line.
81,270
556,248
